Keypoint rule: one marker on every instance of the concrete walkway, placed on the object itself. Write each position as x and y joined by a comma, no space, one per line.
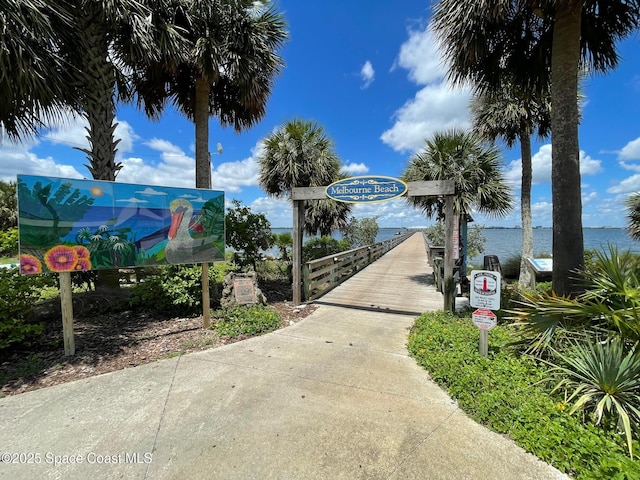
332,397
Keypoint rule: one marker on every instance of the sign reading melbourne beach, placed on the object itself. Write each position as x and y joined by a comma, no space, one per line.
366,189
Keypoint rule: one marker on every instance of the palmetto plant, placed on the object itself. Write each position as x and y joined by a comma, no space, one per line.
609,305
603,378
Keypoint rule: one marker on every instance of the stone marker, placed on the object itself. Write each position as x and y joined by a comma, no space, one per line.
241,289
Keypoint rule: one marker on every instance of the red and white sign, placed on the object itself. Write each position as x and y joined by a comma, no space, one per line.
484,319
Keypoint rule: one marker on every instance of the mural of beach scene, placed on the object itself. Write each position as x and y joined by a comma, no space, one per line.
68,225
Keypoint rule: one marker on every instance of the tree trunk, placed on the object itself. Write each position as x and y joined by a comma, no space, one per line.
98,99
201,120
526,279
568,247
99,109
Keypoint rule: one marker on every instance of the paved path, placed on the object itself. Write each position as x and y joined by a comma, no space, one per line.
332,397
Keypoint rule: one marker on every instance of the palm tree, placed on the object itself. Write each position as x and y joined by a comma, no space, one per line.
325,216
473,164
482,39
228,69
633,215
511,115
28,63
299,154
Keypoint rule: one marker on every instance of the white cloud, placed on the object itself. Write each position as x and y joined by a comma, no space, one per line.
230,176
355,169
628,185
420,55
72,131
17,159
367,73
541,167
631,151
434,108
437,106
277,210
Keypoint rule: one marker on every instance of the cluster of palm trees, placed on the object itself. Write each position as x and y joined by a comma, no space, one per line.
536,51
207,57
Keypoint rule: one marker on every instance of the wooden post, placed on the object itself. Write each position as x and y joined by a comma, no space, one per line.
66,302
298,226
206,311
449,287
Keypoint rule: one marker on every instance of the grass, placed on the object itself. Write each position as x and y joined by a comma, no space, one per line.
510,394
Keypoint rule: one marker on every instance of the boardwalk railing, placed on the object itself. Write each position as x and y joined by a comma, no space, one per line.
322,275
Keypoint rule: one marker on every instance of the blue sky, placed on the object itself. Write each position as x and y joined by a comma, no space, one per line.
370,74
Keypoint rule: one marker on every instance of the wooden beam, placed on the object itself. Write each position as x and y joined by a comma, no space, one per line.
431,188
66,302
308,193
298,227
449,287
206,310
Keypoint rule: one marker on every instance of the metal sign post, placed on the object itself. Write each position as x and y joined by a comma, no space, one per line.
485,296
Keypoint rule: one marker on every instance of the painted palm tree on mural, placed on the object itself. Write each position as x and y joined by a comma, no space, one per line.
514,116
477,37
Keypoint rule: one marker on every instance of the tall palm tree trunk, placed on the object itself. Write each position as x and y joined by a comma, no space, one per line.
568,247
201,121
526,275
99,109
98,101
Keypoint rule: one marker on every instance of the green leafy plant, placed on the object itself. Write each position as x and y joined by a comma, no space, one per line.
241,320
511,394
247,233
360,232
610,303
18,294
174,290
318,247
9,242
604,377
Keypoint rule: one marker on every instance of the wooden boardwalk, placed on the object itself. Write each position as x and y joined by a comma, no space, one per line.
400,282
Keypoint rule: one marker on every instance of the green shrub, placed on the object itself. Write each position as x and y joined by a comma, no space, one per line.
249,321
174,290
319,247
510,394
18,293
9,242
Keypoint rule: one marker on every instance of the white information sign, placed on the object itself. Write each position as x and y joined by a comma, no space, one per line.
485,289
484,319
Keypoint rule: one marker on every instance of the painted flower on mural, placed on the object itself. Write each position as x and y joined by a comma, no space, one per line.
29,264
61,258
198,228
83,264
81,252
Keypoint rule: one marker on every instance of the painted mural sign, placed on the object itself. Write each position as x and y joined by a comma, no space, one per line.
68,225
366,189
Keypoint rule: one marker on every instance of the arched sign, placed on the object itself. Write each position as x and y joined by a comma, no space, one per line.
370,189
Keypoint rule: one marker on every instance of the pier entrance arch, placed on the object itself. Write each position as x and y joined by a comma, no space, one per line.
443,188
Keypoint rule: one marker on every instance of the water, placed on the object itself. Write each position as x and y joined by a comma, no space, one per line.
507,242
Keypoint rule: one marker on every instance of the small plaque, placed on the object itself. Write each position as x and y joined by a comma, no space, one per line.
244,289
